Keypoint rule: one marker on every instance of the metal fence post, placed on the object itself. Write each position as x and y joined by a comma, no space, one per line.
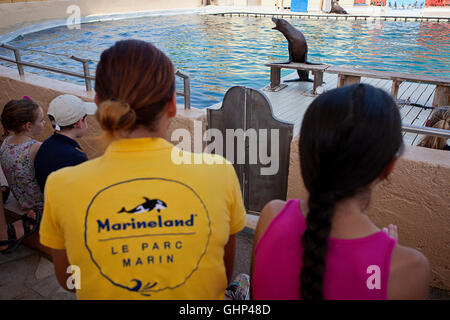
186,90
87,74
17,57
19,61
187,93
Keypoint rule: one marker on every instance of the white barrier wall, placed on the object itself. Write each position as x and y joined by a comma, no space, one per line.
19,15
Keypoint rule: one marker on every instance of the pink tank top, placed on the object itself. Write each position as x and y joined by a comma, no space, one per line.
356,269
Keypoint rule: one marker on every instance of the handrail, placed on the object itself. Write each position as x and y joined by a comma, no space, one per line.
334,16
186,88
186,93
427,131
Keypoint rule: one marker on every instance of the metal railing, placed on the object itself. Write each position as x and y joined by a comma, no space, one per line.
427,131
186,93
321,16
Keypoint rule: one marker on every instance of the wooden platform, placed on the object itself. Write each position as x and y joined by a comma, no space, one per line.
290,103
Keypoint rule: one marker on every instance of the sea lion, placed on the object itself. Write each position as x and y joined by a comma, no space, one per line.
336,8
297,46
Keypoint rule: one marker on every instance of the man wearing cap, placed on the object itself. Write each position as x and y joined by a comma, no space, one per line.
67,114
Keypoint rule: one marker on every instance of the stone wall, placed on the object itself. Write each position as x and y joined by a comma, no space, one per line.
20,15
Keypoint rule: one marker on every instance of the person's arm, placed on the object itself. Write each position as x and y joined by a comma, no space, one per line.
237,220
34,149
230,254
51,233
409,278
61,264
269,212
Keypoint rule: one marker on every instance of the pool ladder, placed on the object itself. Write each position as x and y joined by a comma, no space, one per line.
186,93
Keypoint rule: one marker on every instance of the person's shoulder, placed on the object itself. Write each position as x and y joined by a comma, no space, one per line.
215,159
45,145
48,146
408,258
66,174
78,155
34,149
409,274
268,213
205,161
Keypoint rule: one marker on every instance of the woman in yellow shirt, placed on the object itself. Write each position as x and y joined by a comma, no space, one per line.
134,224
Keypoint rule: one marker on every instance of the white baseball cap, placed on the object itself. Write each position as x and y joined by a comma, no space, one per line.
68,109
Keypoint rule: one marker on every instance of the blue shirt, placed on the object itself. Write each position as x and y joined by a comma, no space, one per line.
55,153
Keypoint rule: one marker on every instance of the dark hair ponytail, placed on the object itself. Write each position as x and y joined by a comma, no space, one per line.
134,82
16,113
348,137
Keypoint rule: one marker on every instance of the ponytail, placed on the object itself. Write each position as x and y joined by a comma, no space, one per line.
314,242
134,83
16,113
115,117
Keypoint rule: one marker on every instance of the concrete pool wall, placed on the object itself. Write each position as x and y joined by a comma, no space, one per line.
416,197
25,17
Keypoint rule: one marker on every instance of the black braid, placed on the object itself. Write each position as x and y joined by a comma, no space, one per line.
314,242
348,136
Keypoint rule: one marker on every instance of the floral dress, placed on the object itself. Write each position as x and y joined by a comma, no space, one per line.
18,168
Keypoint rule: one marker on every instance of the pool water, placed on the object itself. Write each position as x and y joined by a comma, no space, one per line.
221,52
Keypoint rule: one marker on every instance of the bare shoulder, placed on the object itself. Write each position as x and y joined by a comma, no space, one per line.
409,276
268,213
34,149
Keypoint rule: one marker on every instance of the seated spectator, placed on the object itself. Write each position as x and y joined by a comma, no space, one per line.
13,233
439,119
68,115
327,247
138,224
24,119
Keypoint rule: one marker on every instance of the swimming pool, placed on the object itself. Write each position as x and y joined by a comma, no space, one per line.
219,52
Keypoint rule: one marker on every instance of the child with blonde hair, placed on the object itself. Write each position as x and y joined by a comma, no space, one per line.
439,119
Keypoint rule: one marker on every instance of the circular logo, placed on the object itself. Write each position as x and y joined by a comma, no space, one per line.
147,235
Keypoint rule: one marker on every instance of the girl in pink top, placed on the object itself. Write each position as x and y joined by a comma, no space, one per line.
327,247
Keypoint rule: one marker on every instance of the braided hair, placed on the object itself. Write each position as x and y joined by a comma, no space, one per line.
348,137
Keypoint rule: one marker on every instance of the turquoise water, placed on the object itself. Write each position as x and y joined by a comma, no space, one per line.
220,52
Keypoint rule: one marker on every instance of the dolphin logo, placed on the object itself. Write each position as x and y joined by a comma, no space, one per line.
147,206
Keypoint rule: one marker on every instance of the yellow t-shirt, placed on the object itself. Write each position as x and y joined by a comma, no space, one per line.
140,226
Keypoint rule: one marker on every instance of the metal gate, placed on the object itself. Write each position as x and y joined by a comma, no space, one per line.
248,111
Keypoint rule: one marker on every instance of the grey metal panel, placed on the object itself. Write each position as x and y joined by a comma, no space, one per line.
230,116
263,188
246,108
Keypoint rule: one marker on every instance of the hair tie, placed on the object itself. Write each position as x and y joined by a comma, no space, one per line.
27,98
125,105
